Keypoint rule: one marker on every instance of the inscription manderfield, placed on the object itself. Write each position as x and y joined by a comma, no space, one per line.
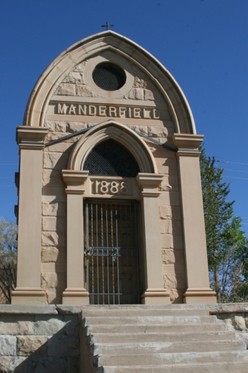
106,110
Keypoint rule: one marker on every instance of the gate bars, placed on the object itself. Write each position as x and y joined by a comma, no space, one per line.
111,253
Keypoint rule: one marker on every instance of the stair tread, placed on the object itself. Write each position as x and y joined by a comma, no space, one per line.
148,319
132,344
175,306
196,333
208,336
134,312
168,347
181,357
229,367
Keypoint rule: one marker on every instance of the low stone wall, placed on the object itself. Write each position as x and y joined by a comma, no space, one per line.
235,316
39,339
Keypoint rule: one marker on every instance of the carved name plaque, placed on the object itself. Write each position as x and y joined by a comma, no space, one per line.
100,110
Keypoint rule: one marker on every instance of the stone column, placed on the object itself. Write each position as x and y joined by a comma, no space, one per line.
75,293
198,290
31,144
155,292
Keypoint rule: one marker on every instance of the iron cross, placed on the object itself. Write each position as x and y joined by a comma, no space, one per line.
107,25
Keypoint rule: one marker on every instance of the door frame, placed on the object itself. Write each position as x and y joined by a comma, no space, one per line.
80,185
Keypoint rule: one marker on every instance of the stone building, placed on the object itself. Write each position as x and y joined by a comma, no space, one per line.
110,203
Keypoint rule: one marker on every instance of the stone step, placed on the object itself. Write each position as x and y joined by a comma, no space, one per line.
166,320
109,311
147,328
234,367
156,339
157,359
207,336
194,357
169,347
175,306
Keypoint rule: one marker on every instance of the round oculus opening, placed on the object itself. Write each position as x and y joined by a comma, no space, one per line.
109,76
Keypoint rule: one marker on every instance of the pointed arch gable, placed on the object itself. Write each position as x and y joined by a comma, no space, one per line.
91,46
119,133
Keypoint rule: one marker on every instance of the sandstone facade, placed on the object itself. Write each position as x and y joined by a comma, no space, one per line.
70,113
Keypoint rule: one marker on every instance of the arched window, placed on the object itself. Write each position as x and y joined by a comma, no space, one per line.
110,158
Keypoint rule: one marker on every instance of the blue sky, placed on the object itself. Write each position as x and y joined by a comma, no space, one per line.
203,43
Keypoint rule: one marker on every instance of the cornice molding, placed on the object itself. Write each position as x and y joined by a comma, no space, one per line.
25,134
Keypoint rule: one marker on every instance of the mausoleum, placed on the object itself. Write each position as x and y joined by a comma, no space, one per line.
109,196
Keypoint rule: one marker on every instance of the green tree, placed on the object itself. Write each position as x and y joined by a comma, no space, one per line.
8,246
226,242
234,261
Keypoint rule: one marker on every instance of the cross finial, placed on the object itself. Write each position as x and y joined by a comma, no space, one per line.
107,25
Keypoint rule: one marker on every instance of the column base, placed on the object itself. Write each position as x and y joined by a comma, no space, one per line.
202,296
29,296
155,297
78,296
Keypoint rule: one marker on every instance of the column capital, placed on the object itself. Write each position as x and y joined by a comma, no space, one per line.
28,135
75,181
188,144
149,183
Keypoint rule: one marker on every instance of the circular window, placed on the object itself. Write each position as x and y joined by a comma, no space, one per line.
109,76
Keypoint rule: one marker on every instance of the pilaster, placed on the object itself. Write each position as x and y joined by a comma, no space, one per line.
155,292
31,144
198,289
75,293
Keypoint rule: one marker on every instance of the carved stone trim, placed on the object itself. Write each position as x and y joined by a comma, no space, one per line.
200,295
75,181
149,184
30,134
188,145
32,296
117,132
75,296
155,296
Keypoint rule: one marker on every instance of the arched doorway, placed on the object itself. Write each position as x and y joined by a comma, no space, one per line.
112,242
112,181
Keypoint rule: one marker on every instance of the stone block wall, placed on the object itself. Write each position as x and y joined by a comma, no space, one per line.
156,125
53,253
39,339
235,316
171,228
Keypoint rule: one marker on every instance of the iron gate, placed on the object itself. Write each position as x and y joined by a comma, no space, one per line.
111,252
